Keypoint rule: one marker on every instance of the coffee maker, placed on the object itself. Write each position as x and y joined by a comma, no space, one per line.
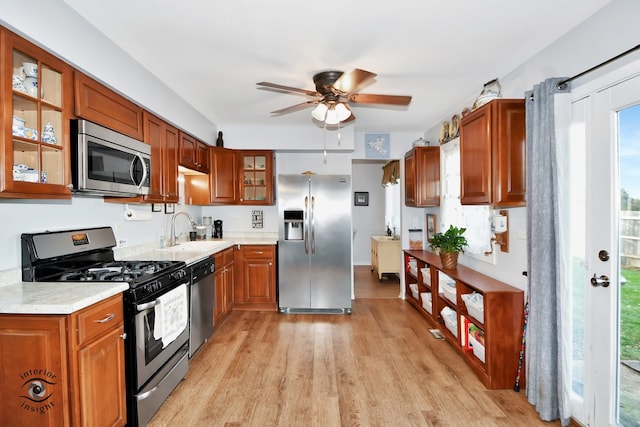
217,229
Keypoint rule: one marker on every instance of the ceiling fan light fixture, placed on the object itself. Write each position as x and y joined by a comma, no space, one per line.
320,112
343,111
332,116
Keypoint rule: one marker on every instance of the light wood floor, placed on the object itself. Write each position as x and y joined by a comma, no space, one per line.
378,366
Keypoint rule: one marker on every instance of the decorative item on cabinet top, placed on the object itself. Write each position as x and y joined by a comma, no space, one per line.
490,91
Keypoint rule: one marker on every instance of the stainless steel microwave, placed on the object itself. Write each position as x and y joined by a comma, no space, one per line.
108,163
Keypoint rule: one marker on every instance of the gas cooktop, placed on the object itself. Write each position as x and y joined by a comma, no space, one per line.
119,271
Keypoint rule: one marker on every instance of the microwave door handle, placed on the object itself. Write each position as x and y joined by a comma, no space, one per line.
144,170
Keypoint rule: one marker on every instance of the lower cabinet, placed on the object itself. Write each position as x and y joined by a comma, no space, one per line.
64,370
481,317
225,278
385,255
255,287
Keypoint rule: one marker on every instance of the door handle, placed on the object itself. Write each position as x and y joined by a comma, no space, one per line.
600,281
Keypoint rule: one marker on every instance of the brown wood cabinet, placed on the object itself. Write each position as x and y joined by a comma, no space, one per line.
35,165
492,154
64,370
256,177
255,285
99,104
422,177
194,154
500,323
225,278
223,176
163,139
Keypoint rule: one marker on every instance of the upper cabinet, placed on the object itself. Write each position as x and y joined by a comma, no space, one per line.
37,100
223,187
422,177
256,177
492,154
236,177
101,105
194,154
163,139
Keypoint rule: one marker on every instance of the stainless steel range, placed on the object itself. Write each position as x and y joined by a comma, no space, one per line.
157,343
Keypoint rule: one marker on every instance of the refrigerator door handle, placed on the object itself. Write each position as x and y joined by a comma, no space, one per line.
313,226
306,221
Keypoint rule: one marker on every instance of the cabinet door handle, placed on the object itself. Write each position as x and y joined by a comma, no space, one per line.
258,252
108,318
123,336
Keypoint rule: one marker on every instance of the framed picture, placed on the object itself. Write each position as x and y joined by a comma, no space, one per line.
156,207
169,208
431,226
361,198
377,146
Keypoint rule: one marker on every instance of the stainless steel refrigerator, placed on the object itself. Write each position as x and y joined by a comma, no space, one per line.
314,245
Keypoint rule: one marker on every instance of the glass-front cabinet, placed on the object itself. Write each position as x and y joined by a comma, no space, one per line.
36,145
256,180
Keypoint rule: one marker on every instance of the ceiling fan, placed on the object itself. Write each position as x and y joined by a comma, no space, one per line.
334,91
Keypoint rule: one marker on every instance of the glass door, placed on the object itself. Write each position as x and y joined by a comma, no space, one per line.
603,162
38,142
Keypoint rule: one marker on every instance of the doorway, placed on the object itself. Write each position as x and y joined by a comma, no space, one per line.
382,210
604,158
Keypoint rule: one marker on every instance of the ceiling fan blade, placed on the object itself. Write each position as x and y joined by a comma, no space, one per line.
296,107
366,98
288,89
350,82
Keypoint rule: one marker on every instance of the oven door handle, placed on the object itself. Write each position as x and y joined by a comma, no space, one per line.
146,306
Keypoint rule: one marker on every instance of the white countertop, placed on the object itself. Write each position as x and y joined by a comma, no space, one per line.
55,297
68,297
382,238
191,252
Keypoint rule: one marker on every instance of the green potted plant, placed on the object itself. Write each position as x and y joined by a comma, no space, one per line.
449,244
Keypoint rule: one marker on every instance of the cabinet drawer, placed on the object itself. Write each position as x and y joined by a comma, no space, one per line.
99,318
258,251
227,256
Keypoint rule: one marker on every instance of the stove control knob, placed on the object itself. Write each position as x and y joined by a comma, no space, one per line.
179,274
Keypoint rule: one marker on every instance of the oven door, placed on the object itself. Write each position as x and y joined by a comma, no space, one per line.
150,356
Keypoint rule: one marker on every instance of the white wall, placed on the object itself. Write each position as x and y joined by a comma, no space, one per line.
611,31
77,42
367,220
34,216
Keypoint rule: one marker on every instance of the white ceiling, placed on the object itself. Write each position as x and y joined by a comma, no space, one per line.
212,53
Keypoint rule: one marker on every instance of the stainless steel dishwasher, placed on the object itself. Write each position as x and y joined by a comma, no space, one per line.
202,301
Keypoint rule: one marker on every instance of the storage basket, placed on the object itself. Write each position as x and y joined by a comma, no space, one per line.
426,301
426,276
414,290
478,349
413,270
445,279
449,292
475,305
450,320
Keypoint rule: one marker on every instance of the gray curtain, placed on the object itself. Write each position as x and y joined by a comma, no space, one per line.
544,349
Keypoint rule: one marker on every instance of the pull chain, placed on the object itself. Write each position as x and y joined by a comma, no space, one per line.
325,142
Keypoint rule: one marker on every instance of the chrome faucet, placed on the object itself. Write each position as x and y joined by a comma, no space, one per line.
172,238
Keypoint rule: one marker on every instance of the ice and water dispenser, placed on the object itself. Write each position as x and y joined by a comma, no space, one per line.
293,225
